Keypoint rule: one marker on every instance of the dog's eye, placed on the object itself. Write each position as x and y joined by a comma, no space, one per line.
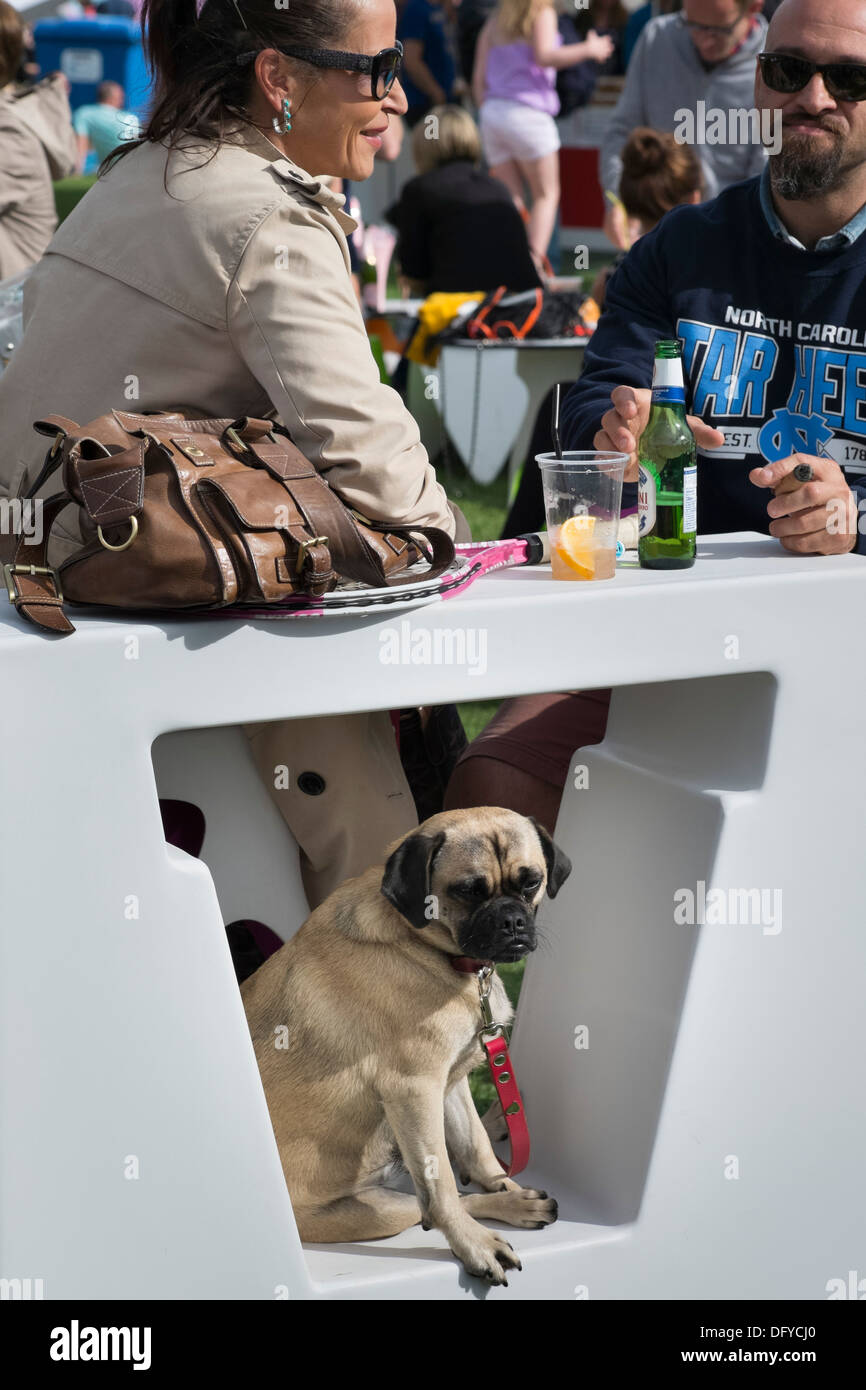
530,886
473,889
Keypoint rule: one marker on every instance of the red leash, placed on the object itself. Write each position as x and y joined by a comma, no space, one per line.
501,1068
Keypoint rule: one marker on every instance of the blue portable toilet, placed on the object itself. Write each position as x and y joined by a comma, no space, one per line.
90,51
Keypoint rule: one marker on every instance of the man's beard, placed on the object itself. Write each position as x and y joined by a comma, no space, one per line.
800,172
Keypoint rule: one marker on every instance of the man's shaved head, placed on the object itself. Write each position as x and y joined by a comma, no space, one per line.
823,138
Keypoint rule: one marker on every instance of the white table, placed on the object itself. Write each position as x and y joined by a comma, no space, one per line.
734,757
491,392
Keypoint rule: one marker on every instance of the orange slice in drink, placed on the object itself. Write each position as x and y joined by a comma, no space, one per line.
574,545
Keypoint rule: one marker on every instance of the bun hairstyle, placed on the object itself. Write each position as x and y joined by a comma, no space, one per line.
192,50
657,174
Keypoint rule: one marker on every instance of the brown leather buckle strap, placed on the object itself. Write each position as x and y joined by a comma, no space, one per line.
33,586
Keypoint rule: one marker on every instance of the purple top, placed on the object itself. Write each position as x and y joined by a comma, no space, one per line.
513,75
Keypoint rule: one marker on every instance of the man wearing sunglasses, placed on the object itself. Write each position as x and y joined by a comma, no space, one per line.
766,289
705,53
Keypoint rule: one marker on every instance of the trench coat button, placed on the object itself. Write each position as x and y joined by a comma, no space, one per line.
311,783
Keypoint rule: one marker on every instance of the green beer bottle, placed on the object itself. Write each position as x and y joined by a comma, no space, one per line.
667,477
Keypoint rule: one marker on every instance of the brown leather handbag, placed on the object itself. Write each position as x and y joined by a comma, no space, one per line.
197,515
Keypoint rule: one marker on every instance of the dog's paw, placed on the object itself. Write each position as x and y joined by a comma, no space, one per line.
525,1207
497,1183
483,1253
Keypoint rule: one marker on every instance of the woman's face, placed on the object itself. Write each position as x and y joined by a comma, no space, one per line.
336,124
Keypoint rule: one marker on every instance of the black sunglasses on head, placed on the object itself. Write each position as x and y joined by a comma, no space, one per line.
383,67
782,72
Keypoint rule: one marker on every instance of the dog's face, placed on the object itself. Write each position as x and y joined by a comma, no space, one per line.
477,876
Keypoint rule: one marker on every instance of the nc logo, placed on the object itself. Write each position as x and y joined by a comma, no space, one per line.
786,433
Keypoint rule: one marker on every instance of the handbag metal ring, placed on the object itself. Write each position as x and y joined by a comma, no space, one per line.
133,521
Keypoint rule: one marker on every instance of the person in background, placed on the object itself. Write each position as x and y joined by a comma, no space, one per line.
37,146
707,53
105,124
514,85
640,18
471,19
608,18
430,76
657,175
458,228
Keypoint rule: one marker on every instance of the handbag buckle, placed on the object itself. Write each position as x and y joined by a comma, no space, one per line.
305,546
235,438
9,572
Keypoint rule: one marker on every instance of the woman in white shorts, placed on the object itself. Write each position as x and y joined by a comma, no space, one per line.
519,53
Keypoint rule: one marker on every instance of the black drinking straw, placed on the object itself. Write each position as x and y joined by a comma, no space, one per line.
557,391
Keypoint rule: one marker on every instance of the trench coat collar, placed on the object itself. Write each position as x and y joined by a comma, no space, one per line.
315,188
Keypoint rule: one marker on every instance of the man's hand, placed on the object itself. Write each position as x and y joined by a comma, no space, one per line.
622,427
818,518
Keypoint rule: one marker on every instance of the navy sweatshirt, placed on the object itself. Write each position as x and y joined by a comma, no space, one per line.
774,349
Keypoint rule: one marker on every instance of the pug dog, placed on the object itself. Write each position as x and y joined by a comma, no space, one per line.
365,1035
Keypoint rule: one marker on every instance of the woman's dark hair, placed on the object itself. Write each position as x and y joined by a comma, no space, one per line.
11,43
657,174
199,87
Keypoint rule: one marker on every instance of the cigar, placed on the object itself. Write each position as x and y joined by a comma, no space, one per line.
799,475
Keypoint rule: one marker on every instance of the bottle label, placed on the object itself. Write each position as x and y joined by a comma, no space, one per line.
668,371
646,501
690,501
669,395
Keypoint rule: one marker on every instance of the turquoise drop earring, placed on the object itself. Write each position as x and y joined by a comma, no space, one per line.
284,126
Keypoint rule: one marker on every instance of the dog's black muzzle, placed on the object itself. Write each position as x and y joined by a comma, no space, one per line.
502,930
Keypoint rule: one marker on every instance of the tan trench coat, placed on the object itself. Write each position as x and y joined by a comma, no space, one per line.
223,287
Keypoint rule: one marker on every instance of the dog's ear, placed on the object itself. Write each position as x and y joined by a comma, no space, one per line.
558,864
406,883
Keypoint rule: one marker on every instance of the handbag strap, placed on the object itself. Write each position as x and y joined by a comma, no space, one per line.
33,586
323,511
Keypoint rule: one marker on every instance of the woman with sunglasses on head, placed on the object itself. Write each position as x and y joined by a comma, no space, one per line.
208,269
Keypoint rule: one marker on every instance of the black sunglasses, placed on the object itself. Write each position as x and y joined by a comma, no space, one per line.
383,67
782,72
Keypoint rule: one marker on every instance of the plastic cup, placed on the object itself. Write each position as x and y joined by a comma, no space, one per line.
582,499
